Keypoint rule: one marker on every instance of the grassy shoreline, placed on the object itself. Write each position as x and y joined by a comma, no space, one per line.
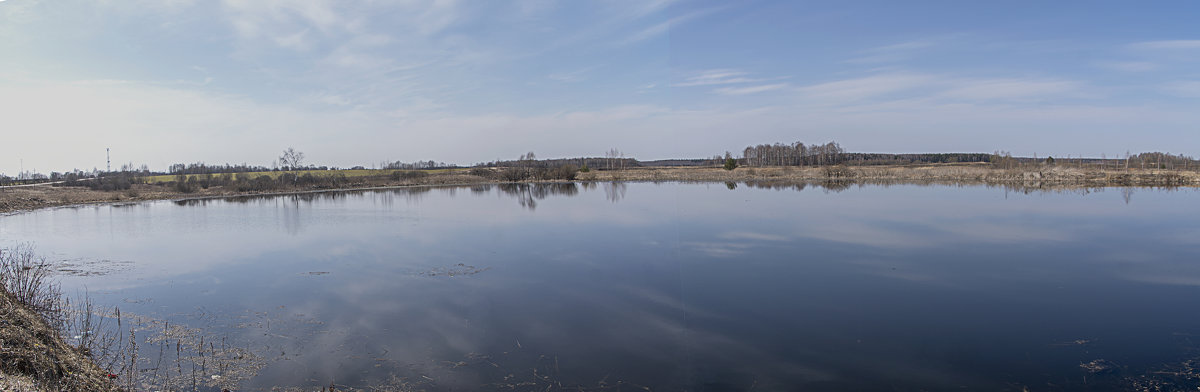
34,356
15,200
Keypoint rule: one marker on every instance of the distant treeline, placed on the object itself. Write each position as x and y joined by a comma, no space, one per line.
527,166
582,162
418,165
203,168
107,182
859,158
795,154
1145,160
22,180
245,182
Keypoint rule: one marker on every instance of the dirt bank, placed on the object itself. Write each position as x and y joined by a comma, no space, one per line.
33,357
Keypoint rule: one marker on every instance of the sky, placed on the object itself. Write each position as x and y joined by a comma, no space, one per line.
363,82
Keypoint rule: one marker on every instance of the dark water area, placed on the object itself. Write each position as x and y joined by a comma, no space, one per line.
664,286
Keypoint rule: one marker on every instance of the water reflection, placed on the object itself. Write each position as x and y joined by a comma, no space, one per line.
614,191
527,195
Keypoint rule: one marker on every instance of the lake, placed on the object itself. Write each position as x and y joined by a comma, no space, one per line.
644,286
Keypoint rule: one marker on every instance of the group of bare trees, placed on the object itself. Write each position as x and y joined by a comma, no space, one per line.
795,154
615,159
1161,160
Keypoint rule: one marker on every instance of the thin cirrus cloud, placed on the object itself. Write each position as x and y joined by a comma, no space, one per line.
940,88
863,88
1013,89
716,76
1183,88
750,89
1130,66
663,27
890,53
1167,44
735,82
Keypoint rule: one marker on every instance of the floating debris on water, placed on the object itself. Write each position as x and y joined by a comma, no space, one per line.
455,270
1076,342
91,267
1099,366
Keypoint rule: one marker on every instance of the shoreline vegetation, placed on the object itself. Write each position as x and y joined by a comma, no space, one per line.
35,321
126,188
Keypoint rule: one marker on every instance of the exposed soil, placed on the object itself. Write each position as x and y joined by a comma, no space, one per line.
33,357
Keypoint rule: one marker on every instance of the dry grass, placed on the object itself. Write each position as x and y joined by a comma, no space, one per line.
276,174
46,344
33,354
960,174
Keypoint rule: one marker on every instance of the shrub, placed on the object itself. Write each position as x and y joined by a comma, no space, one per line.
839,172
730,164
108,183
565,172
408,175
482,172
185,184
514,174
27,278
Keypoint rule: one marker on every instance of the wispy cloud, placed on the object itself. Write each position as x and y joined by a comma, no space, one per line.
941,88
753,236
1010,89
571,76
660,28
716,76
749,90
890,53
1183,88
282,21
868,87
1130,66
1168,44
329,99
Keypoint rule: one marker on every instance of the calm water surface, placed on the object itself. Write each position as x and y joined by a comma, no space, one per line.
670,287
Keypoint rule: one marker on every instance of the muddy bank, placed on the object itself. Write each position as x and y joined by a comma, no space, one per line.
34,357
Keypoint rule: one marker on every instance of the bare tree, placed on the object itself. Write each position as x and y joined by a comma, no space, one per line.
291,159
527,159
615,158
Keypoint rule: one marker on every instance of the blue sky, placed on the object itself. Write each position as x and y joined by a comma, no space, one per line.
358,83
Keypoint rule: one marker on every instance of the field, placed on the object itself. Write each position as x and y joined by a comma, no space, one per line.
276,174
